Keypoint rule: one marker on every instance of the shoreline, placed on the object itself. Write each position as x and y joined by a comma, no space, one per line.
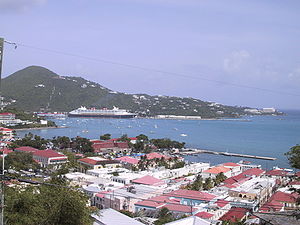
40,128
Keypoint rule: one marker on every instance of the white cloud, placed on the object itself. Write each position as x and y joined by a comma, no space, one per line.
295,74
235,60
18,5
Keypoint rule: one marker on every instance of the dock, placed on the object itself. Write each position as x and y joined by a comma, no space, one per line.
200,151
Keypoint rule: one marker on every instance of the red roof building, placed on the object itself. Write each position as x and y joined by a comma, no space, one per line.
111,145
230,164
96,163
204,215
149,180
128,160
155,155
7,116
6,132
26,149
235,214
280,173
49,157
191,195
280,200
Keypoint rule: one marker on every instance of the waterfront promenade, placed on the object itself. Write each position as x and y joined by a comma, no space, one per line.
199,151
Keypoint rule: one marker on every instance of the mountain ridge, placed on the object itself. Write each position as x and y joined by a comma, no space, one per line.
36,88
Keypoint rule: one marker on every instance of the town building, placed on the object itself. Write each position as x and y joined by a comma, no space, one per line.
49,158
113,217
256,190
44,157
7,116
96,163
125,198
6,133
214,171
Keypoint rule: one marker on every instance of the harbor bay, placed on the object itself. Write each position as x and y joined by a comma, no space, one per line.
266,136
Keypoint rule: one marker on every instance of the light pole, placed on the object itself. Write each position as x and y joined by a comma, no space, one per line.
1,104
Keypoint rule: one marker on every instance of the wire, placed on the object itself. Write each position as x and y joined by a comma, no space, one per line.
199,77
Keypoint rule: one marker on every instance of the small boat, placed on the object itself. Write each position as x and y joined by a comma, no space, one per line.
183,135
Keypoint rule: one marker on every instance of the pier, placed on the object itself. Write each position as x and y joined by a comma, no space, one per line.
199,151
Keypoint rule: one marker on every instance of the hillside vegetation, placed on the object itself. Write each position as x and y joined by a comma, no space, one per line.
36,88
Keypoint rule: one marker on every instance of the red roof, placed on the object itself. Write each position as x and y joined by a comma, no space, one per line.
102,194
4,114
155,155
231,164
150,203
190,194
217,170
276,173
284,197
253,172
271,206
128,159
88,161
221,203
297,174
49,154
148,180
242,177
204,215
6,150
234,214
179,208
295,182
5,129
121,145
27,149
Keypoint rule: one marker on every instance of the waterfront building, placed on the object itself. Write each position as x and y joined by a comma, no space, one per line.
7,116
234,167
110,146
6,133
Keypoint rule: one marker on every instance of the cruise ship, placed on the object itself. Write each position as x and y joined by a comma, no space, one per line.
103,113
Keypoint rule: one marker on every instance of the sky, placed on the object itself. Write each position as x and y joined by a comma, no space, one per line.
233,52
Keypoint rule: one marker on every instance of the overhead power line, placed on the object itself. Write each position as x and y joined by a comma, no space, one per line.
154,70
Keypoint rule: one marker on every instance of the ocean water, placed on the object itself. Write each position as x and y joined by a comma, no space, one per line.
257,135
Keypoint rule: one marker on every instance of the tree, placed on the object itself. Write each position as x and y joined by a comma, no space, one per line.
142,138
34,141
220,178
82,145
294,159
164,216
208,184
61,142
105,137
20,161
124,138
294,156
47,205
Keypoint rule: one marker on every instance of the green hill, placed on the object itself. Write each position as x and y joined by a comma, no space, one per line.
36,88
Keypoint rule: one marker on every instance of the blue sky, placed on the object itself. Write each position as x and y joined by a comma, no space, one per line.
246,43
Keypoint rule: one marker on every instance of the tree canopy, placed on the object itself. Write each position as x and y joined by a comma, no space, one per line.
294,156
46,205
